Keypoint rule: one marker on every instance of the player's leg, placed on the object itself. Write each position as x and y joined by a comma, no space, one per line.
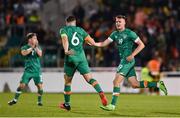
69,70
24,80
17,94
67,93
88,77
37,77
122,71
40,93
116,91
83,68
144,84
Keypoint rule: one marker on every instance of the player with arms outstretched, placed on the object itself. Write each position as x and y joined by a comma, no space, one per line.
73,38
31,53
125,40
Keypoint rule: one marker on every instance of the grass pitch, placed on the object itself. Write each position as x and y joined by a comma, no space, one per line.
87,105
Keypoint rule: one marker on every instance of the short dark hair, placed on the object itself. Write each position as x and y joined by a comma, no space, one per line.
30,35
121,16
70,19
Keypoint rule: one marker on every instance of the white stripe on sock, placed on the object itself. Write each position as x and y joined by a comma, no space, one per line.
18,92
15,100
115,93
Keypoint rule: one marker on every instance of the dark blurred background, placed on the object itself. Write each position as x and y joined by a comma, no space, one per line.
157,22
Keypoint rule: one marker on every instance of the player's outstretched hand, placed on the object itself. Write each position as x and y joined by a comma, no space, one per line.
69,52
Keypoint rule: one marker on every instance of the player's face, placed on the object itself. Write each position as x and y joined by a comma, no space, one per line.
33,40
120,23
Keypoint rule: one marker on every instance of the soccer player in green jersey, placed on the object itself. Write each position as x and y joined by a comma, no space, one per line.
31,53
125,40
73,38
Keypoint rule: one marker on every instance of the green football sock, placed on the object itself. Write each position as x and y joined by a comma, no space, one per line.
40,92
146,84
67,93
18,93
116,91
95,84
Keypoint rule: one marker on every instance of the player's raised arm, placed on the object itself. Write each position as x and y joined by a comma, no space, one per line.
90,40
38,49
137,50
26,52
103,44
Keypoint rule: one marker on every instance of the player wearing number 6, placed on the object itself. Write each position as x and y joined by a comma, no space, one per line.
73,38
31,53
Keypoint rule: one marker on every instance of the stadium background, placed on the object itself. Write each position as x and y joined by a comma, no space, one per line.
155,21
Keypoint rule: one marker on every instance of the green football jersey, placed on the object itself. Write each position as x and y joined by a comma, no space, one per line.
32,61
76,36
125,41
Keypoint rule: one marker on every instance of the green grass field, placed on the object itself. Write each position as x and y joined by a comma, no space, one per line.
87,105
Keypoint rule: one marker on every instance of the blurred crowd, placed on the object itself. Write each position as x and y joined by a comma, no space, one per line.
17,18
157,22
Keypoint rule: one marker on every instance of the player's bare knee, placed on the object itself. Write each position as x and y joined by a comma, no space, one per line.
39,86
67,81
22,86
116,82
87,77
135,85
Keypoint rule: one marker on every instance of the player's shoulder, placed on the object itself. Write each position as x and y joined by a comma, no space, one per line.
114,32
80,28
129,30
132,34
26,45
63,28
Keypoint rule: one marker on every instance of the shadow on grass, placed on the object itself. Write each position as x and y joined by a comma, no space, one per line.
168,113
123,115
100,114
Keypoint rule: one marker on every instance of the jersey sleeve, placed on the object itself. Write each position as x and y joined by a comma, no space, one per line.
112,37
62,32
25,47
84,33
133,36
